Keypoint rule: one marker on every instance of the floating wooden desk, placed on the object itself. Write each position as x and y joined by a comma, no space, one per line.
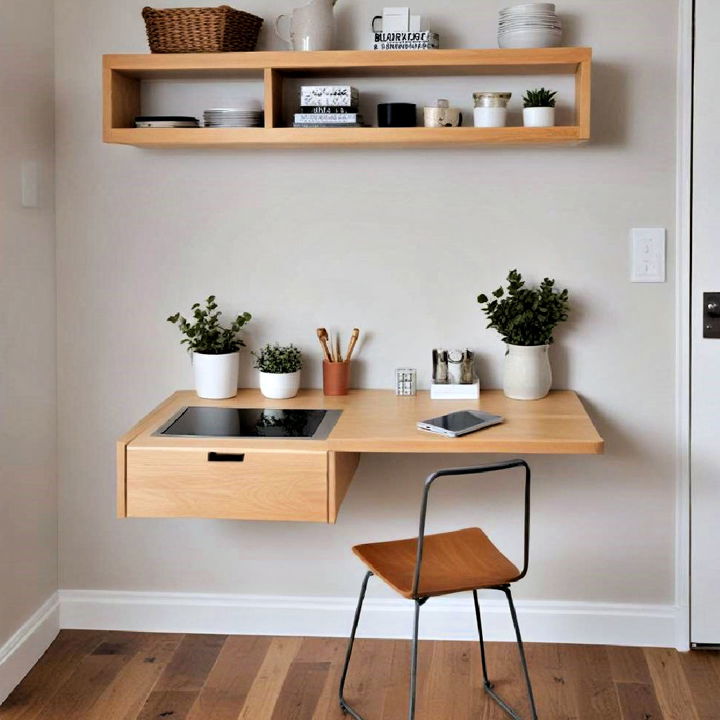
306,480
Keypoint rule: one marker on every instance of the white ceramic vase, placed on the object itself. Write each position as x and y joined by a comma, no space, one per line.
490,116
527,372
216,376
539,116
279,386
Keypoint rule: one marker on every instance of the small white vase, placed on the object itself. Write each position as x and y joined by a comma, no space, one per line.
216,376
279,386
539,116
527,372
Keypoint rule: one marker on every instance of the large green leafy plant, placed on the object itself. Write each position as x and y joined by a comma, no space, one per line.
526,316
206,335
278,359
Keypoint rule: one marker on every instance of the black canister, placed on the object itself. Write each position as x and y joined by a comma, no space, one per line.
397,115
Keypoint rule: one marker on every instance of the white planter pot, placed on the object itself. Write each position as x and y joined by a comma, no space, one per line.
490,116
539,116
279,386
216,376
527,372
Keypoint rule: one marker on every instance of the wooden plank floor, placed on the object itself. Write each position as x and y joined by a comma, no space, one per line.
136,676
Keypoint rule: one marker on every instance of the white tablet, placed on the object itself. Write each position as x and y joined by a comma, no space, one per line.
460,423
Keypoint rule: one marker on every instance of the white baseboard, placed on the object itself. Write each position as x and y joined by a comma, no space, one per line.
26,646
441,619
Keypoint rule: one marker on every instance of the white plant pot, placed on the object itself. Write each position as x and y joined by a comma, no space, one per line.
539,116
216,376
490,116
279,386
527,372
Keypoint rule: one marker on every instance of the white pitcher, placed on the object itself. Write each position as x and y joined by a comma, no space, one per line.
311,27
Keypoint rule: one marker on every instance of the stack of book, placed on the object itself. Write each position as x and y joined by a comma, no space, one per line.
328,106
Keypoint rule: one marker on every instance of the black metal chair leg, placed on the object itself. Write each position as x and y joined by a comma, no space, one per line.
521,651
413,661
487,685
486,681
341,693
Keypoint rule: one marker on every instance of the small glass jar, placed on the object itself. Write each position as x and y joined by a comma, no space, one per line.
491,108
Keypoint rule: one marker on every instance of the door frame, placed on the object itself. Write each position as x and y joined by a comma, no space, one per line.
683,316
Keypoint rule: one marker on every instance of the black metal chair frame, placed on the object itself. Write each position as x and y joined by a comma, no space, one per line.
421,600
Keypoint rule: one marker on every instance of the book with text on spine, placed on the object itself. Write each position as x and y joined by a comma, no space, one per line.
329,119
325,110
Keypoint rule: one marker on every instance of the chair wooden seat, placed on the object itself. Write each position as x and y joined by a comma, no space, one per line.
452,562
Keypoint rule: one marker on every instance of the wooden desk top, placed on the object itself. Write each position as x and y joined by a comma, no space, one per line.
381,422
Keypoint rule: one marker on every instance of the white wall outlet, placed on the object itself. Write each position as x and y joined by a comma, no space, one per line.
648,255
29,184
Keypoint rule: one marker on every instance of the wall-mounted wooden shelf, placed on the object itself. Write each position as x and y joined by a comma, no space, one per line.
123,74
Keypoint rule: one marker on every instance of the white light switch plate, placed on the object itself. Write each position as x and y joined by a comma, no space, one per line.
648,255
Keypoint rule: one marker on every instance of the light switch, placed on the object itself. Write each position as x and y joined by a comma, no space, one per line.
29,184
648,255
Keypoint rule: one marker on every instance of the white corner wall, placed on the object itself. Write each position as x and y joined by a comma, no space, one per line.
28,479
399,243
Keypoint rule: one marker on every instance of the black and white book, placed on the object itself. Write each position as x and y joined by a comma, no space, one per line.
328,119
405,41
329,96
327,125
325,110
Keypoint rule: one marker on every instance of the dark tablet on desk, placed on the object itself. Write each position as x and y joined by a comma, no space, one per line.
460,423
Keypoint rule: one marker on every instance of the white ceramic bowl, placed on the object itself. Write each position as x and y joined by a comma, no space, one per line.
528,8
530,39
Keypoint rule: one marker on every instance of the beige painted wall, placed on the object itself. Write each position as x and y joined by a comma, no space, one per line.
28,480
398,243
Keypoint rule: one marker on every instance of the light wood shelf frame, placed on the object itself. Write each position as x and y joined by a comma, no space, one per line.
122,75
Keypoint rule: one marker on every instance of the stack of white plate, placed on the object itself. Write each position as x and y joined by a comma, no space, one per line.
532,25
166,121
233,117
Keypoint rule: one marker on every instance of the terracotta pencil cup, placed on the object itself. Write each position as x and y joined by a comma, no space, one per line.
336,378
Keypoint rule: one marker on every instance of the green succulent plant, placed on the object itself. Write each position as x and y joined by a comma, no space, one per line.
278,359
539,98
526,316
205,335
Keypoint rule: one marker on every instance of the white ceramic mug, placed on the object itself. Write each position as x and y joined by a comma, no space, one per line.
443,117
311,27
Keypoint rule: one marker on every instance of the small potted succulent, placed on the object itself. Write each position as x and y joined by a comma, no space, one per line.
526,319
539,108
279,367
215,349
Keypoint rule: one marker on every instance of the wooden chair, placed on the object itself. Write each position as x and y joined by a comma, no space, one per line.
432,565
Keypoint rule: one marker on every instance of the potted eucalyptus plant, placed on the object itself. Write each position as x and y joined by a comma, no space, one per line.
215,349
526,318
539,108
279,367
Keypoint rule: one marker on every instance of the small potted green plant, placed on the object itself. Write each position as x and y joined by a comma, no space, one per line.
215,349
539,108
279,367
526,318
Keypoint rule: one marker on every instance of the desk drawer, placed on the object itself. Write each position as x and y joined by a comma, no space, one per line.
252,485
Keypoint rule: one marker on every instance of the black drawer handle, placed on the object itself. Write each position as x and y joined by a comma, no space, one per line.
226,457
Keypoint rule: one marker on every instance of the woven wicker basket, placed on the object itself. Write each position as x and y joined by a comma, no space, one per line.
194,30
